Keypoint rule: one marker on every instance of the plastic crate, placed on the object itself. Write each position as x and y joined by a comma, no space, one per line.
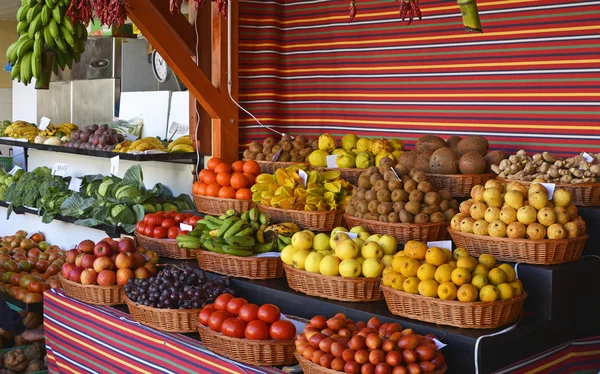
6,162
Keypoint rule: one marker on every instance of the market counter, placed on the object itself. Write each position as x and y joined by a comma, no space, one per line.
93,339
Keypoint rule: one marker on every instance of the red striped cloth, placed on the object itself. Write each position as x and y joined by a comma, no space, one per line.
91,339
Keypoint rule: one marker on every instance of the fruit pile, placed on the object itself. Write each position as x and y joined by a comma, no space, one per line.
381,196
177,288
239,234
181,145
337,254
516,211
56,134
108,262
28,266
163,225
437,272
355,152
435,155
296,150
227,181
148,143
340,344
285,189
95,137
236,318
22,130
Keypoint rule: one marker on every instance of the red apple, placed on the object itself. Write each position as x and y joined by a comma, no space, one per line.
106,278
113,258
77,259
87,261
383,368
126,245
351,367
86,246
102,263
125,260
75,274
140,260
142,273
89,276
123,276
103,249
153,256
66,270
151,268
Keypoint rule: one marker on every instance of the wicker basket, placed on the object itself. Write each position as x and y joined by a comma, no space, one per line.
241,267
165,247
170,320
308,367
269,167
333,287
459,185
93,294
314,221
215,206
403,232
475,315
582,194
349,174
253,352
543,252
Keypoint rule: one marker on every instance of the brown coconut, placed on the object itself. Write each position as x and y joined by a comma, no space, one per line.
423,161
444,161
408,159
473,144
493,158
429,143
453,142
471,163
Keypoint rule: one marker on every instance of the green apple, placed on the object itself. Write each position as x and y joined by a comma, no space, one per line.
321,242
299,259
371,250
287,253
373,238
313,261
346,249
312,234
336,238
338,229
360,259
359,242
364,235
350,268
329,265
389,244
358,229
387,260
302,240
372,268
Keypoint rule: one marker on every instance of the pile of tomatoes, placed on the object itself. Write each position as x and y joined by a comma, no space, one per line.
227,181
162,225
236,318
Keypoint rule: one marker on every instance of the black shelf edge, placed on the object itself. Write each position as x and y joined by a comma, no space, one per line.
32,308
185,158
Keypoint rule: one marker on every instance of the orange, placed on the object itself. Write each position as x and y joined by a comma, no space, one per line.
252,167
224,178
202,174
227,192
202,189
209,177
243,194
251,178
213,162
213,189
196,186
223,167
239,180
238,166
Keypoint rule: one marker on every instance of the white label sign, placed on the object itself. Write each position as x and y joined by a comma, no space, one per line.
441,244
185,227
276,155
396,174
14,170
60,169
351,235
44,122
439,344
178,128
75,184
587,157
269,254
331,161
131,138
303,177
550,187
114,165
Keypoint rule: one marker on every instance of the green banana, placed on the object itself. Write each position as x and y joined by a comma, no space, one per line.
57,15
263,247
253,214
51,4
69,60
228,213
59,57
60,43
22,27
196,233
212,246
52,45
33,12
25,72
68,24
263,219
260,237
236,251
37,48
200,226
214,219
31,3
35,25
53,27
22,13
14,73
255,225
55,67
67,36
11,52
237,227
209,224
245,232
280,244
286,239
229,222
46,15
245,216
24,48
36,66
241,241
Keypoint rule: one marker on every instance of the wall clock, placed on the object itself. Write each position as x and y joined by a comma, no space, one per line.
159,67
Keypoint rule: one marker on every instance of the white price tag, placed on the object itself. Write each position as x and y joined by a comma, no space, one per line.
303,177
185,227
131,138
114,165
14,170
331,161
587,157
269,254
351,235
297,324
550,187
75,184
441,244
178,128
439,344
44,122
276,155
396,174
60,169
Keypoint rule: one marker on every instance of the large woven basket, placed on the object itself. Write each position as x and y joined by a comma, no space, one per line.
583,194
333,287
269,167
459,185
544,252
349,174
93,294
314,221
254,352
241,267
308,367
165,247
474,315
215,206
403,232
170,320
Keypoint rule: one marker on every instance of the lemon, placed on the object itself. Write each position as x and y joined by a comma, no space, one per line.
518,287
444,273
496,276
400,254
435,256
394,280
409,267
460,252
411,285
415,249
461,276
489,293
467,293
511,275
488,260
426,271
287,253
467,262
397,263
388,269
480,269
506,291
479,281
329,265
447,291
428,288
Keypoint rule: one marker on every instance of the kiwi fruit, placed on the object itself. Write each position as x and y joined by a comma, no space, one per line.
399,206
408,159
401,170
371,195
383,195
261,156
413,207
314,144
374,178
477,144
430,209
284,156
424,187
371,216
437,217
301,138
286,138
410,185
493,158
453,142
373,205
276,148
406,217
255,148
415,195
418,176
359,193
399,195
248,154
393,217
429,143
454,204
286,146
389,175
380,185
386,162
445,195
269,157
350,210
444,161
421,218
297,145
305,152
359,215
394,184
383,218
385,208
364,181
371,170
295,153
423,162
269,142
449,213
433,198
362,206
472,163
267,150
444,205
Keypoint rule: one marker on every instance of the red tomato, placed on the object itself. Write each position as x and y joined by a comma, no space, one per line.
282,330
147,218
248,312
149,231
257,330
222,300
159,233
234,305
171,214
184,232
205,314
140,227
179,218
186,221
156,220
268,313
216,320
234,327
168,223
193,220
173,232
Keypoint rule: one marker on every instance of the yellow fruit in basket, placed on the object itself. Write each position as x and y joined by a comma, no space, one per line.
561,197
400,254
448,254
364,235
394,280
415,249
313,261
409,267
336,238
496,276
493,196
526,214
497,229
359,242
461,276
460,252
373,238
480,269
489,293
372,268
389,244
330,265
357,229
517,287
287,253
467,262
302,240
397,263
506,291
346,249
411,285
388,269
511,275
479,281
321,242
426,271
492,213
387,260
513,199
435,256
428,288
371,250
299,258
467,293
350,268
557,231
537,199
488,260
360,259
447,291
444,273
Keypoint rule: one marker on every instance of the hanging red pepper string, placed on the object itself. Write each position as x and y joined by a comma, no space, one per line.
352,10
175,6
410,9
80,11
